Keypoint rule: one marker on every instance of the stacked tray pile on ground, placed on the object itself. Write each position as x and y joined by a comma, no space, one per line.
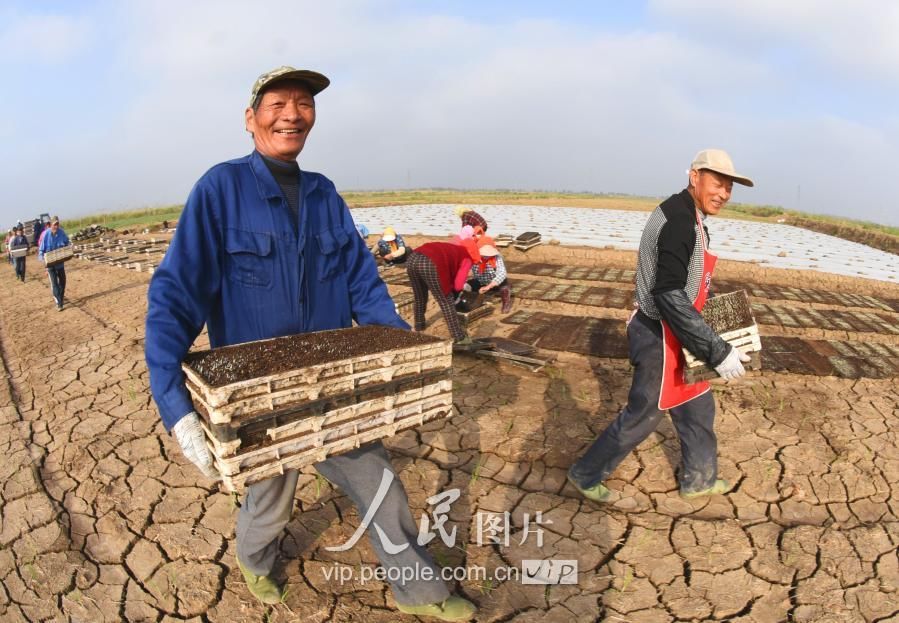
527,240
471,306
466,318
57,256
288,402
503,240
730,316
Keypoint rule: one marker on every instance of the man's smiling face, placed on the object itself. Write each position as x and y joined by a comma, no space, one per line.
282,120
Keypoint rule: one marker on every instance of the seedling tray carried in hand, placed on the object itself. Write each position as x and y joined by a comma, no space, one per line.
730,316
284,403
18,252
312,439
57,256
246,379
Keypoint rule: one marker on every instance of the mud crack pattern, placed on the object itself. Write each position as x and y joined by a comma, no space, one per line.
102,519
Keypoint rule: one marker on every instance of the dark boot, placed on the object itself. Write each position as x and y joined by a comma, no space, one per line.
505,293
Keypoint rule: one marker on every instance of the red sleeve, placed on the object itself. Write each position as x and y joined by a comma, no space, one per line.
462,275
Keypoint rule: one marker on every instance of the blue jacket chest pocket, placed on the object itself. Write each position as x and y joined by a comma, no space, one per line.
248,257
330,245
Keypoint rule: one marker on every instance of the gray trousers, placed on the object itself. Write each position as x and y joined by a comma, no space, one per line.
693,421
268,506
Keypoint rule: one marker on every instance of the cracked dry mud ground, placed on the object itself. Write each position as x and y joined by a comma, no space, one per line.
103,520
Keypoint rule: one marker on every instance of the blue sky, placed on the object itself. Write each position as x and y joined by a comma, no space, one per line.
120,105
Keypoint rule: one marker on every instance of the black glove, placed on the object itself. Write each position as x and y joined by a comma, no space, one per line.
690,328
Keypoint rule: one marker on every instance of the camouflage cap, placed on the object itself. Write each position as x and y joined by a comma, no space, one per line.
314,80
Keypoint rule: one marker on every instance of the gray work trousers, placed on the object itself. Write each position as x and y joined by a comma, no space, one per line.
694,421
268,506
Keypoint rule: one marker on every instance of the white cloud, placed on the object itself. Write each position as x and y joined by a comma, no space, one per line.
50,38
439,100
856,37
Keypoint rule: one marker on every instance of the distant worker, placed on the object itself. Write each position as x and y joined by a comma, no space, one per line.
363,231
44,229
6,242
392,248
19,241
440,268
674,273
55,238
490,273
470,217
36,234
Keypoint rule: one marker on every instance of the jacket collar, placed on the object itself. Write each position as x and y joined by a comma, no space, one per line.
265,181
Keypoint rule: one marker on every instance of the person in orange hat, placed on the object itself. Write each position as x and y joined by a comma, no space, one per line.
490,273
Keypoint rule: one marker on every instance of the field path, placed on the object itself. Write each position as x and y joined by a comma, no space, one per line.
101,519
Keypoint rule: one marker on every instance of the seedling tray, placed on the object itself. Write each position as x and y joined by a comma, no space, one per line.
730,316
528,237
293,451
246,432
255,377
466,318
57,256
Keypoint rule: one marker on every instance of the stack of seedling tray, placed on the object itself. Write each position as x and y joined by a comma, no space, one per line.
503,240
527,240
730,316
288,402
60,255
471,307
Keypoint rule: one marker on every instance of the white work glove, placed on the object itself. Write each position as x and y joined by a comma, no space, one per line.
466,287
192,440
732,366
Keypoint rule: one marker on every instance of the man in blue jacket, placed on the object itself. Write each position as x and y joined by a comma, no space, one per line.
262,250
53,239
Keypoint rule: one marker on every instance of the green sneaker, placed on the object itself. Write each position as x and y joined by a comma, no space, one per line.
598,492
455,608
720,486
262,587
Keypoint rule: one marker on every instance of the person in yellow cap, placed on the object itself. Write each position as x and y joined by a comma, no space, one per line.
674,274
391,247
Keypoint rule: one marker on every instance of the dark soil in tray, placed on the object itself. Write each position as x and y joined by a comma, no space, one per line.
727,312
240,362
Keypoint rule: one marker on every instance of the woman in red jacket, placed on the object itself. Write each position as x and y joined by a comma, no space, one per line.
440,268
